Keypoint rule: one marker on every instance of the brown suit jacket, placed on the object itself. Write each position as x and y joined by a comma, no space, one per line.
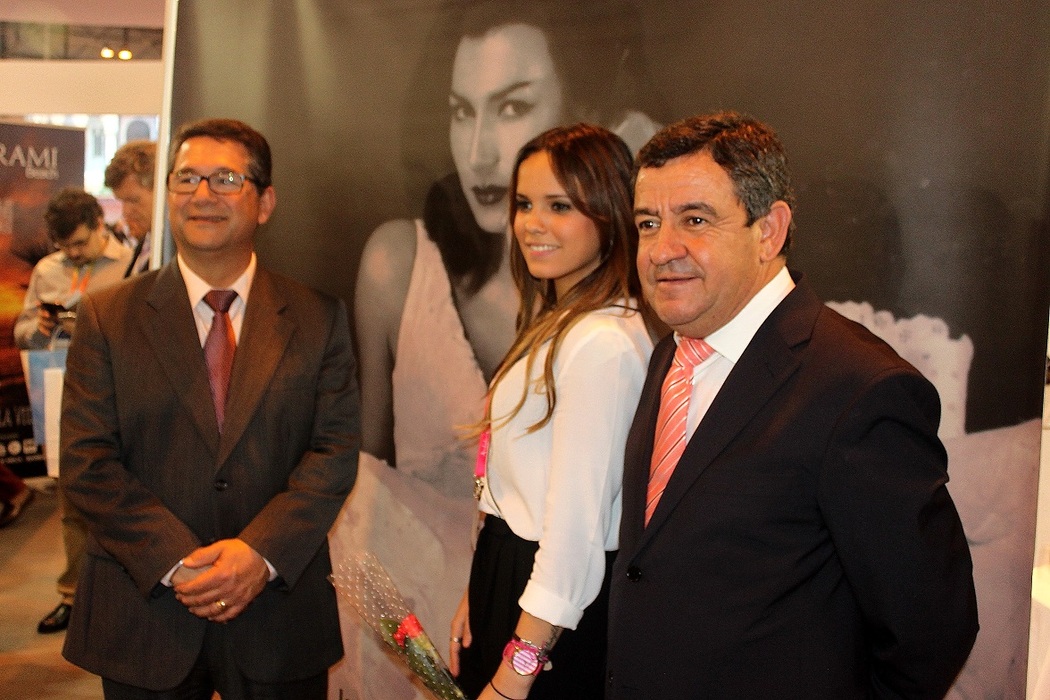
143,459
806,545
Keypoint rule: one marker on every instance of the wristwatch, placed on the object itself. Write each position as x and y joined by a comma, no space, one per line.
524,657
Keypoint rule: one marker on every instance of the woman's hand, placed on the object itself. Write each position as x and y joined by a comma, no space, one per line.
460,634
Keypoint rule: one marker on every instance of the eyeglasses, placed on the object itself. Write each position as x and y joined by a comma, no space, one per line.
219,182
70,244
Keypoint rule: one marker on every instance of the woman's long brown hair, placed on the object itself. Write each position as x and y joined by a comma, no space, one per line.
594,166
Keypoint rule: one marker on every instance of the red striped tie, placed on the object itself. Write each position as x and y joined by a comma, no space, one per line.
671,420
219,346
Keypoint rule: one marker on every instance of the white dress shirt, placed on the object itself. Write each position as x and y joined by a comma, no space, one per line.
729,343
202,313
55,279
561,485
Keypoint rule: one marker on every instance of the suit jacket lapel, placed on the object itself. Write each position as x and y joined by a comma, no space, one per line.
172,334
264,336
765,365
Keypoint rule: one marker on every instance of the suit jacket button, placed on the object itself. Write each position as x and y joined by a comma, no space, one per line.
634,573
220,484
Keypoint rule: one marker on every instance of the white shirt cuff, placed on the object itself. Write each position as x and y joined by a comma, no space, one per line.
541,603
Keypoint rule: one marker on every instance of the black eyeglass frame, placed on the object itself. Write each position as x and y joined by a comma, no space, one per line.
217,181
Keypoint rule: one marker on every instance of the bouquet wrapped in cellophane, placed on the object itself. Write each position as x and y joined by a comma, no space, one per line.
363,582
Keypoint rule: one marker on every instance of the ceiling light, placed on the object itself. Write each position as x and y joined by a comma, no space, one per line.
106,52
125,53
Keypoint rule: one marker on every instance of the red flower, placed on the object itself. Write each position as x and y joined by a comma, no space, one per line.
409,627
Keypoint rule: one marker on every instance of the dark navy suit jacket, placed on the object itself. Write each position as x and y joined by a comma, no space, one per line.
806,545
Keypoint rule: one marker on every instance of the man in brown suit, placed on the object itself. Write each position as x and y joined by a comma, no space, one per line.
207,561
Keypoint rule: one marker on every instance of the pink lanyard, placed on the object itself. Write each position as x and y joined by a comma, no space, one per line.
482,461
481,464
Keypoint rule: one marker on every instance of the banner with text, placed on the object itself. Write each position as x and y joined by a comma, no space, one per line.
35,162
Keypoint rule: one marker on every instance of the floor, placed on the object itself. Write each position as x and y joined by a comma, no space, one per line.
31,558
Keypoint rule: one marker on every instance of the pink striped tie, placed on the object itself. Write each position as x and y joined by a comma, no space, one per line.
671,420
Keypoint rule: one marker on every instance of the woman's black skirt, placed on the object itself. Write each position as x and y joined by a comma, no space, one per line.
501,568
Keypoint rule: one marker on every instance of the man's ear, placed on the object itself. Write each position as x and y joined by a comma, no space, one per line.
267,201
774,228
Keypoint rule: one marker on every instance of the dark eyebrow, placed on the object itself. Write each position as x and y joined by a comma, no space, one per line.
703,207
680,209
497,96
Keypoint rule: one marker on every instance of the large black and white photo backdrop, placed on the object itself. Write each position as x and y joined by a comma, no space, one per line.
919,138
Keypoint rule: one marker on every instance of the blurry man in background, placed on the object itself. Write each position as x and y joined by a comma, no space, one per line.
87,258
130,176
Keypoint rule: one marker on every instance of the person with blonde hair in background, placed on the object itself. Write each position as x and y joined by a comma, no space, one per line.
130,176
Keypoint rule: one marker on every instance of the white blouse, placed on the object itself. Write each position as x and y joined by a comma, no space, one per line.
561,485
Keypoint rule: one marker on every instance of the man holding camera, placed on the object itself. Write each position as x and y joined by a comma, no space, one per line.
88,258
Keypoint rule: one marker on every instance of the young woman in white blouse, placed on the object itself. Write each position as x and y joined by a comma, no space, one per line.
533,620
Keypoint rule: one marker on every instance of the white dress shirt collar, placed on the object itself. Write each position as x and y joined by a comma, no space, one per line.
203,314
197,287
732,339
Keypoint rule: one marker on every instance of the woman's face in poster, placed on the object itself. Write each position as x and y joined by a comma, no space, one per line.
505,90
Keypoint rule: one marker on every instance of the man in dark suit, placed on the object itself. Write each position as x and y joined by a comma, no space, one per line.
786,528
209,490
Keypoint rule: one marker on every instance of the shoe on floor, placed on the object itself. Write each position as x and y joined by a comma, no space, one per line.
16,506
56,620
